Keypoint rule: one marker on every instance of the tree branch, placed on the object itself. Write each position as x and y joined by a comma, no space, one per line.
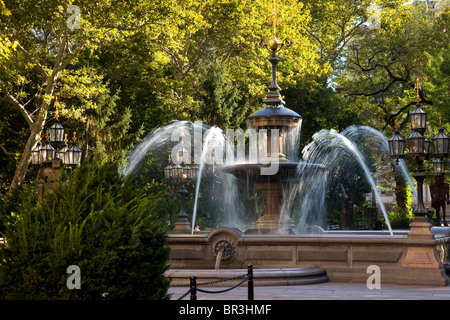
320,44
11,99
40,67
391,117
4,125
64,63
6,151
373,93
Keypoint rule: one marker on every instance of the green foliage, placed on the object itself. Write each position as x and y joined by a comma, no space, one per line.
96,221
401,219
437,84
383,64
319,107
104,129
135,65
219,99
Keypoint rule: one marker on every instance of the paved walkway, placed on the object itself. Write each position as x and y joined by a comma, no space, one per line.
323,291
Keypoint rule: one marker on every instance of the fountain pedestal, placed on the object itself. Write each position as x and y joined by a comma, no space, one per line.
273,221
274,121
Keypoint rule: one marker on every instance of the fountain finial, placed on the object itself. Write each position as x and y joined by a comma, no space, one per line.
274,43
274,115
273,98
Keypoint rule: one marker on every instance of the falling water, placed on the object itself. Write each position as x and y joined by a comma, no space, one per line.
327,149
380,145
154,140
291,143
233,206
308,194
212,153
368,174
159,143
304,200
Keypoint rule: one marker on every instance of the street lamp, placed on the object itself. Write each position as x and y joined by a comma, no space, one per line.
53,154
438,166
419,151
73,154
47,151
56,147
397,145
418,119
36,152
416,145
56,132
61,153
440,142
179,174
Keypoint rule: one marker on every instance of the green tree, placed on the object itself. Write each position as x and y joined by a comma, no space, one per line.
103,129
219,100
382,65
319,107
98,222
40,40
226,32
436,85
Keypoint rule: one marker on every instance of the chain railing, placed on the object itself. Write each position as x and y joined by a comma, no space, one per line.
194,286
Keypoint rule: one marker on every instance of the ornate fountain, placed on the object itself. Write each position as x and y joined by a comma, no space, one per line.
282,257
275,118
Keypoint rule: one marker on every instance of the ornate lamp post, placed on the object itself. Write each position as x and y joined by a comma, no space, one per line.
51,156
73,154
56,147
419,151
179,174
397,145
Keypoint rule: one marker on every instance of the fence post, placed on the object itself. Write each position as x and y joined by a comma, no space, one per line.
193,288
251,295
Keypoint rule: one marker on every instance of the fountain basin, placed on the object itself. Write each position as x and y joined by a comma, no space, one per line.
287,171
345,256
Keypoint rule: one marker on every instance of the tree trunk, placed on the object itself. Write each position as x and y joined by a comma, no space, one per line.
400,192
22,167
36,128
37,124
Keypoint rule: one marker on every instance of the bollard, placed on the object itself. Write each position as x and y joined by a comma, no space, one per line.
193,288
251,295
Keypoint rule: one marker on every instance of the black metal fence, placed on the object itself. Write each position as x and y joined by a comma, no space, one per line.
194,286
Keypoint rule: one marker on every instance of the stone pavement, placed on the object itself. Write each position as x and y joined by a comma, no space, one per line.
323,291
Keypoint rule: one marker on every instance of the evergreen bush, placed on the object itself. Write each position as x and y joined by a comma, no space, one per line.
401,219
97,222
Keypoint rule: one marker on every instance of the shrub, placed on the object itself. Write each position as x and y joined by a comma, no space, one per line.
96,221
401,219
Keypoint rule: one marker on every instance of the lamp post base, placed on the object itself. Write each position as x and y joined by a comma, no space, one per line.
182,227
50,172
422,263
420,229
